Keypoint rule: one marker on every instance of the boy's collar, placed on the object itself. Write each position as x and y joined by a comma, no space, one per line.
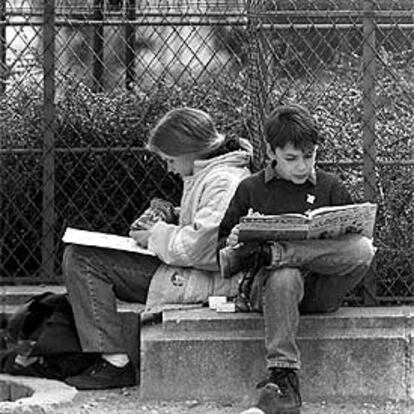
270,173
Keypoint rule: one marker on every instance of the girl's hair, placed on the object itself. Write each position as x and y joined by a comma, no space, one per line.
292,124
185,131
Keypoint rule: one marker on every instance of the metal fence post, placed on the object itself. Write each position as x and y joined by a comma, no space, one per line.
3,46
98,47
130,45
368,132
256,83
48,205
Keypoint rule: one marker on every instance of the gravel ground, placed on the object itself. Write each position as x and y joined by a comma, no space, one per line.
126,401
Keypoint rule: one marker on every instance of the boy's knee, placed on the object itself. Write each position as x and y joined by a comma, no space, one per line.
364,250
357,249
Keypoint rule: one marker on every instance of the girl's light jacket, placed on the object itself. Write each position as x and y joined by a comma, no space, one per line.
189,272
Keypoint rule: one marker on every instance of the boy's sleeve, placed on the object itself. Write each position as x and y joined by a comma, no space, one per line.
340,194
237,208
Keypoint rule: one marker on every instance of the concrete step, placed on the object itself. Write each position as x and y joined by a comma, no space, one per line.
357,353
13,296
16,295
360,353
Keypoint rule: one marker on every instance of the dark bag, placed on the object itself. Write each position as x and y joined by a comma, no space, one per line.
44,327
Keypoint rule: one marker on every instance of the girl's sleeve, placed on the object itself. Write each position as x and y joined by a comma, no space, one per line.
195,245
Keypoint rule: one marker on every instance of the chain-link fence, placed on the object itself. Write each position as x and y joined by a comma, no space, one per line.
82,82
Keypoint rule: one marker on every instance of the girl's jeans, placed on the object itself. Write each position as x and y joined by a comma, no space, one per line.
313,276
95,277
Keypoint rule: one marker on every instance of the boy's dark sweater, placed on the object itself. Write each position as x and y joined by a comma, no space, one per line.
265,192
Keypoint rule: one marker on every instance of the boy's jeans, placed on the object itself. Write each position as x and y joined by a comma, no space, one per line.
314,276
95,277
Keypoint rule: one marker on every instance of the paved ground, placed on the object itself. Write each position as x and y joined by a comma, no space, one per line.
126,401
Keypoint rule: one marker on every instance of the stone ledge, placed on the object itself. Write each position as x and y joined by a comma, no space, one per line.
204,319
13,296
16,295
353,353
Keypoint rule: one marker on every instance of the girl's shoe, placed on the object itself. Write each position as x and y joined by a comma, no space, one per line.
103,375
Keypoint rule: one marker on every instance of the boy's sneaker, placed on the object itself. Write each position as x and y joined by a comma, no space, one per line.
103,375
279,394
243,257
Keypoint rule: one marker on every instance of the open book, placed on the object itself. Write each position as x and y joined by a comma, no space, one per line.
321,223
108,241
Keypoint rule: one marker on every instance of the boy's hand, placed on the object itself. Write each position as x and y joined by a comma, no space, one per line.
233,238
177,211
140,236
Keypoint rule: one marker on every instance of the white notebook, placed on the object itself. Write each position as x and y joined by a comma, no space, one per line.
106,240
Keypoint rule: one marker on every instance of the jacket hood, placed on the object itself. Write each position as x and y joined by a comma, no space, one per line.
240,158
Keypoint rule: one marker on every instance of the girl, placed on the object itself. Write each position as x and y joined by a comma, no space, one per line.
185,269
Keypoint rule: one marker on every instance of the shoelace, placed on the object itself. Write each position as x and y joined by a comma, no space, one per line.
243,303
266,382
96,367
280,379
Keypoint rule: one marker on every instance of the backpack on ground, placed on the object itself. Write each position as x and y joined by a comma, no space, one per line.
41,340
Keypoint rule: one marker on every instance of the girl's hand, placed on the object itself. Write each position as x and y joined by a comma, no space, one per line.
140,236
233,238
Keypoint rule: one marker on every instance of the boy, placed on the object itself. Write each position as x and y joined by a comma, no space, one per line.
292,276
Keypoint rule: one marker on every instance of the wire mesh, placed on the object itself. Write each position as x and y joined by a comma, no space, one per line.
82,82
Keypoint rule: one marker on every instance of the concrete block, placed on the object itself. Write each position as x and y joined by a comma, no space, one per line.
4,391
18,390
410,354
131,331
356,352
359,367
199,366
